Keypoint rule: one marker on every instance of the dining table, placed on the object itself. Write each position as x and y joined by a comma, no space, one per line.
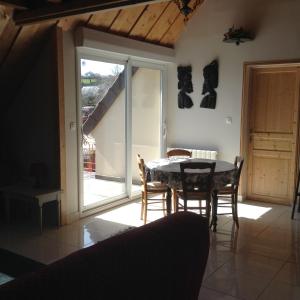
167,171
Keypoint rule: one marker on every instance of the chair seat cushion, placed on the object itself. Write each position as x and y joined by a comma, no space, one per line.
228,189
194,195
154,186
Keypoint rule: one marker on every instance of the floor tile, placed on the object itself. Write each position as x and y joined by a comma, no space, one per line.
208,294
265,248
279,291
290,273
260,260
217,257
236,283
253,264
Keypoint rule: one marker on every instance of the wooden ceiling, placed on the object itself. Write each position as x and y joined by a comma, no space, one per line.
159,23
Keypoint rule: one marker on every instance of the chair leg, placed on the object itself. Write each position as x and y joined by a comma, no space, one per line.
177,203
294,205
164,204
143,206
235,209
184,204
174,200
207,209
214,218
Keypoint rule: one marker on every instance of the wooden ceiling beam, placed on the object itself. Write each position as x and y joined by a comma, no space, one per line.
70,8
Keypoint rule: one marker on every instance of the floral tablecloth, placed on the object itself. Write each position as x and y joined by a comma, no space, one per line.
167,170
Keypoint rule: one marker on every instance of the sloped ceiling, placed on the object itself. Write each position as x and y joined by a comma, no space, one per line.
159,23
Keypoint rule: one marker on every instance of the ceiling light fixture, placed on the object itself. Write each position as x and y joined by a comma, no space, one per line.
237,36
186,8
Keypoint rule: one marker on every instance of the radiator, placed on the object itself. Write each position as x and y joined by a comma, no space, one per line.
196,153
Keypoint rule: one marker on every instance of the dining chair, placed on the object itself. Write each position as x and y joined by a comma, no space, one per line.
150,189
179,152
297,194
231,191
196,188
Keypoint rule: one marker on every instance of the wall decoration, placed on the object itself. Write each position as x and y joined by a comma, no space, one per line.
237,36
211,80
185,85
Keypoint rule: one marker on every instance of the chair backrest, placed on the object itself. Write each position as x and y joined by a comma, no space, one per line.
202,183
141,165
238,163
179,152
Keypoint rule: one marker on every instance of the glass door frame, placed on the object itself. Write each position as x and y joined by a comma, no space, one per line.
128,64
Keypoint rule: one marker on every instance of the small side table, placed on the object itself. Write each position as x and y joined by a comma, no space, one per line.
38,195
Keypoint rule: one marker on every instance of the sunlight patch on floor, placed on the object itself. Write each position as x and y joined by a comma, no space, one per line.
124,215
250,211
130,214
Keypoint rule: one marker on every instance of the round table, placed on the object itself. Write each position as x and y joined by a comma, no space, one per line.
167,170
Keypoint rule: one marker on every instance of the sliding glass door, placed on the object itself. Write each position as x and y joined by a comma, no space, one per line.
120,111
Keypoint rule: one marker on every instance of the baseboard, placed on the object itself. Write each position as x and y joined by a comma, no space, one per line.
116,179
110,178
108,206
72,217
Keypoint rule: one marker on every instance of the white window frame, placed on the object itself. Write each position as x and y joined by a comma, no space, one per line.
128,62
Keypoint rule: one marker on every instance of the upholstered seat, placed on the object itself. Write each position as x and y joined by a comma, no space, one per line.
156,186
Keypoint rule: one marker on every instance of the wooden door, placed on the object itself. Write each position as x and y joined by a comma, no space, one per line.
273,124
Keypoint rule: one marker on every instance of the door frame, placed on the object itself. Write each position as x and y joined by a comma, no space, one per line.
248,68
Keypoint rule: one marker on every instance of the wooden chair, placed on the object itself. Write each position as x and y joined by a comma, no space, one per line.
150,189
297,194
179,152
199,189
231,191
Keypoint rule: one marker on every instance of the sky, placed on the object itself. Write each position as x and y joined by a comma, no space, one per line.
102,68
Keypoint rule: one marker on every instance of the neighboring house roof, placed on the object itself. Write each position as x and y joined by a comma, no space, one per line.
107,101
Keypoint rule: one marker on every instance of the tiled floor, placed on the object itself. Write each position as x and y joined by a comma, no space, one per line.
261,260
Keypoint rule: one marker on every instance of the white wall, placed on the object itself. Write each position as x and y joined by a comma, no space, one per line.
276,24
